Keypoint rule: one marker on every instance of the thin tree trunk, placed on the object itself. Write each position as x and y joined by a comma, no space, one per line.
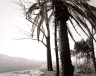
86,63
76,61
67,68
50,68
49,61
93,53
56,49
93,58
47,58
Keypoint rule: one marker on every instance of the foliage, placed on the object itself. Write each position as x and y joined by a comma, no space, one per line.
78,9
83,47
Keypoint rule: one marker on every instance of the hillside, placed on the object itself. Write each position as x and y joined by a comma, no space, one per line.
8,63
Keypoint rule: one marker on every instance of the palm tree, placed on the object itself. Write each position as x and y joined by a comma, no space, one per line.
63,38
40,22
43,16
63,15
77,10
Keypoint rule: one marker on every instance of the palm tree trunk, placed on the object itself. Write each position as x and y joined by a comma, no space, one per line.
67,68
56,49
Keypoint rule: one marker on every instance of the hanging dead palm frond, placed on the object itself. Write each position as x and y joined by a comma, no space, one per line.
31,9
74,27
79,13
39,27
71,35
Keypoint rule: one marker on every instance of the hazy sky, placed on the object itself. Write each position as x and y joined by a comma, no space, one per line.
10,20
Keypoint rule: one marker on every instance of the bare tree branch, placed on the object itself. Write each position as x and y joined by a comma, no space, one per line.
40,41
23,30
20,38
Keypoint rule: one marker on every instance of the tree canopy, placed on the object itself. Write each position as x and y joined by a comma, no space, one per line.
78,9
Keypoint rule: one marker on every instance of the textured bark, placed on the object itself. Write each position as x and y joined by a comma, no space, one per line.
62,16
67,68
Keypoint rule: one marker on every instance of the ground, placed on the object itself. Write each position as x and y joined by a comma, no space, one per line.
48,73
38,72
53,73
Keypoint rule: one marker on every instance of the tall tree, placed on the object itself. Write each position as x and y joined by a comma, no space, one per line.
63,15
63,38
56,48
40,22
77,10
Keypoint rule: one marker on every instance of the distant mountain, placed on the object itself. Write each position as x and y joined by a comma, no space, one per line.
8,64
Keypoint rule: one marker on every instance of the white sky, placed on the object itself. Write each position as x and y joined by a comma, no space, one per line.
10,18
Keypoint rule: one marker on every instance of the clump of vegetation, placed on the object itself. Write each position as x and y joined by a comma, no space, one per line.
83,50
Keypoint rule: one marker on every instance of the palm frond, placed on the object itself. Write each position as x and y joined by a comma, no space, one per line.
31,9
76,19
91,16
71,35
50,17
35,23
74,27
79,14
39,27
82,10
